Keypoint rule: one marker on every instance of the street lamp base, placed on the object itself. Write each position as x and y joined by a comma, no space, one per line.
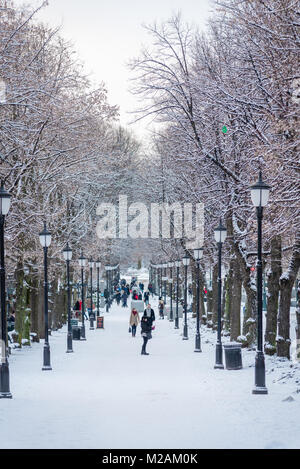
46,368
219,357
70,351
185,338
82,333
197,343
5,395
171,320
260,390
219,367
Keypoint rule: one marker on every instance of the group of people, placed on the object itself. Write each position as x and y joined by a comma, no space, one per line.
147,325
122,294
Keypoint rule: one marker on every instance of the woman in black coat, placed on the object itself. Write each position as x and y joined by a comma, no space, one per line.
146,327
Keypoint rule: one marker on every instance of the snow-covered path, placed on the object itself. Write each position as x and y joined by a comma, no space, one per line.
106,395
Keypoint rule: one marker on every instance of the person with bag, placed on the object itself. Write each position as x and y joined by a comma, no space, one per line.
147,326
134,321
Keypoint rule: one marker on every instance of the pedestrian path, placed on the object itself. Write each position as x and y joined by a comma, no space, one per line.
107,395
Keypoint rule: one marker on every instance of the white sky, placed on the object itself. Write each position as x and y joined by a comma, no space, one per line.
107,33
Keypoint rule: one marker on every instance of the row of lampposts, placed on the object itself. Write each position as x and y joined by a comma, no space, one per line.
45,241
259,196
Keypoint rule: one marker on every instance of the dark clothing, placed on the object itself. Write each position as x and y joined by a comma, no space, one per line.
133,330
146,328
146,296
106,293
144,345
124,298
146,323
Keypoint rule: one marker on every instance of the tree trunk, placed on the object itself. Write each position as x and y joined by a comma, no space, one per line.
201,297
21,297
298,322
273,295
235,314
228,299
287,281
35,287
250,316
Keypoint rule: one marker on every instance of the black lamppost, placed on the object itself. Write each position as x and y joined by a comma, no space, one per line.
220,235
164,279
171,265
198,253
98,265
155,291
186,262
160,280
4,366
177,264
259,196
82,263
45,240
107,287
67,252
91,265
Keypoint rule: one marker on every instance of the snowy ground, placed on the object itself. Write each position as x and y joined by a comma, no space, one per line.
106,395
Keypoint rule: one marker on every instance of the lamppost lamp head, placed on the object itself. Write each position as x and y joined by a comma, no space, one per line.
4,201
45,237
178,263
260,192
91,263
220,233
186,260
98,264
82,260
67,252
198,253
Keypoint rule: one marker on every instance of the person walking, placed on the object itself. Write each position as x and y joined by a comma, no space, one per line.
124,299
76,309
134,321
146,297
146,327
118,298
161,307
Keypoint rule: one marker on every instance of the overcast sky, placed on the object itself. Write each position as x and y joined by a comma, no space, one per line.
107,33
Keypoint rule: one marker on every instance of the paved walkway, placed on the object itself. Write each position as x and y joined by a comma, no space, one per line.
106,395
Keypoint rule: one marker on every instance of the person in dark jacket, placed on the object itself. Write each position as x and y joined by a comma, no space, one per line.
146,327
146,297
124,299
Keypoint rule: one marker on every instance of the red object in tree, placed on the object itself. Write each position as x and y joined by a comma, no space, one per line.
252,269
